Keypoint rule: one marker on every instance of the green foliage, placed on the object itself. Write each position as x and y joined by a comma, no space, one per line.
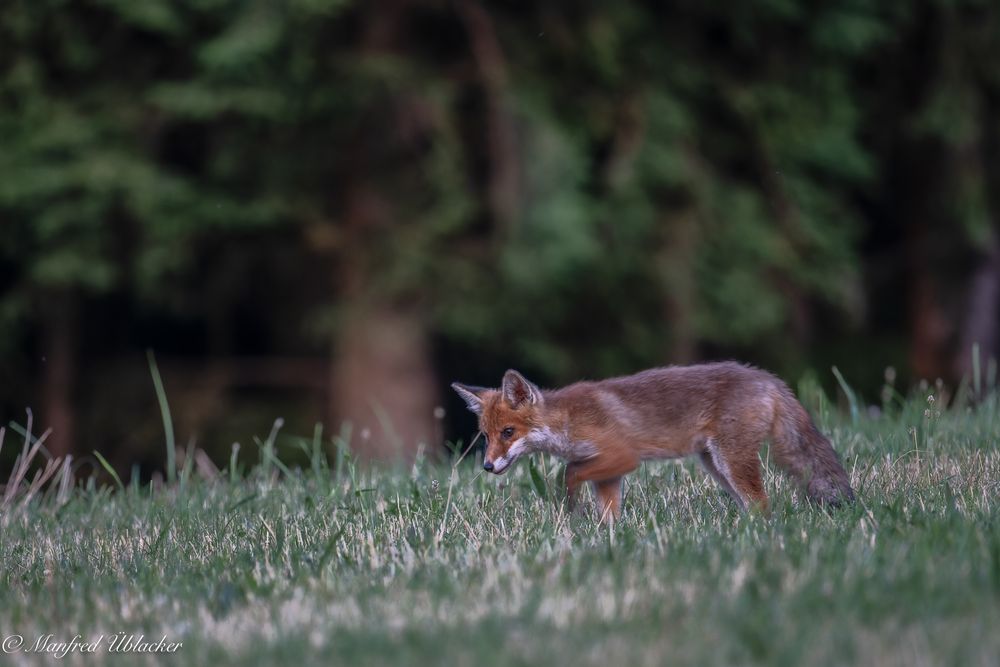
681,171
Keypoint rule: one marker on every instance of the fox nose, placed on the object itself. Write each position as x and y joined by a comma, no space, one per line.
487,466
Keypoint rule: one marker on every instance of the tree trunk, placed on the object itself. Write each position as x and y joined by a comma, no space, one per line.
676,269
982,313
503,192
382,380
59,374
383,383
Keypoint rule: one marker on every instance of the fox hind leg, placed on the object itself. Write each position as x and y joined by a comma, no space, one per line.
708,463
738,470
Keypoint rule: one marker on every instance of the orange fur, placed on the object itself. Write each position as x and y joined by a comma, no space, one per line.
720,412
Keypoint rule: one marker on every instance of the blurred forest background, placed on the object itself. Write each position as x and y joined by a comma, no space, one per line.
326,210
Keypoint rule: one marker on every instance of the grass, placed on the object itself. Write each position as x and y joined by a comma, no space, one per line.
441,565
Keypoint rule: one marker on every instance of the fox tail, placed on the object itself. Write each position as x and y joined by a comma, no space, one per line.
799,448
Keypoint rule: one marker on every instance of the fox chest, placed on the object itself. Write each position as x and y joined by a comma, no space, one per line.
560,445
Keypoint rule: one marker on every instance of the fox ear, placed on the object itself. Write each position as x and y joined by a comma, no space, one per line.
517,391
471,395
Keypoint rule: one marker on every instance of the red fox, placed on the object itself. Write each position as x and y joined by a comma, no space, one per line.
720,412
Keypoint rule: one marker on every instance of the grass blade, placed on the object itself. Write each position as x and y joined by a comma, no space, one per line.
852,399
110,470
168,424
537,480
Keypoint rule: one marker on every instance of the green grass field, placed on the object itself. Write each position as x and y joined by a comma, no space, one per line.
330,564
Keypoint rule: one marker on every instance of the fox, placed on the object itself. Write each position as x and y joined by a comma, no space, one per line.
719,412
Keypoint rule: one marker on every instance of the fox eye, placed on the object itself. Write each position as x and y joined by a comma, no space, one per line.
507,432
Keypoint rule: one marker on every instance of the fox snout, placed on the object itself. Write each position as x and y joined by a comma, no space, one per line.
493,460
497,465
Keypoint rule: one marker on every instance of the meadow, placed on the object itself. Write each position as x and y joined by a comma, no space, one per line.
306,558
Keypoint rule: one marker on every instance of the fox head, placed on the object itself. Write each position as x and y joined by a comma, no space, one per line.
509,417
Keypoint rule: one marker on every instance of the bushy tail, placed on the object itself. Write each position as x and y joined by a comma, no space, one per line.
806,454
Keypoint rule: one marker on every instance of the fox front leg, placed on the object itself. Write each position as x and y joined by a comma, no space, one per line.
573,482
608,491
609,497
606,473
